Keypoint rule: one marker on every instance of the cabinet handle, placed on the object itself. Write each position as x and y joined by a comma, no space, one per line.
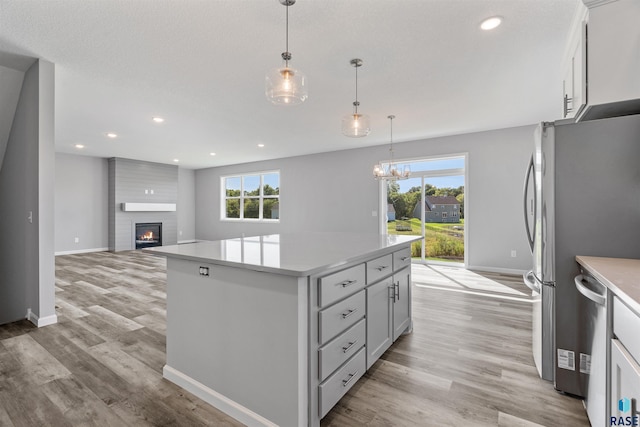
348,380
349,313
382,267
404,258
397,295
392,288
347,348
348,283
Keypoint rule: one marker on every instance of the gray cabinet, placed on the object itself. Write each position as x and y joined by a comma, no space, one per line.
379,319
401,302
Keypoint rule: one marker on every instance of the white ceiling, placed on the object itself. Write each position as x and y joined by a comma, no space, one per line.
200,64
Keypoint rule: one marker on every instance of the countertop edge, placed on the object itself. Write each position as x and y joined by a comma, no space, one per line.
588,263
279,270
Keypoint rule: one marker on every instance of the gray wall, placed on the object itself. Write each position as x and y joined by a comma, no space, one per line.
134,181
81,194
186,205
10,85
81,204
336,192
27,265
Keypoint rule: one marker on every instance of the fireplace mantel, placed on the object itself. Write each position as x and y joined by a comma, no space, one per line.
149,207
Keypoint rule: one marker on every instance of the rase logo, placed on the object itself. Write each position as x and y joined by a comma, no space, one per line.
624,405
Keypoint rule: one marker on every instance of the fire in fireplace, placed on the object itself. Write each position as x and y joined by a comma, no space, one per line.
148,234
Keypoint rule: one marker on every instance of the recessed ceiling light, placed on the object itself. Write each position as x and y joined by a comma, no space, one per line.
260,145
112,135
491,23
212,154
79,146
176,160
158,119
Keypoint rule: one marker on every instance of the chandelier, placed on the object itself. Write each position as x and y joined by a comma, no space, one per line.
356,125
286,85
391,171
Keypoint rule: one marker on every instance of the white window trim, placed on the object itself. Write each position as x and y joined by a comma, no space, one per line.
261,197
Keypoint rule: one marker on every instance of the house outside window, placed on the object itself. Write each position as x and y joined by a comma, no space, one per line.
251,197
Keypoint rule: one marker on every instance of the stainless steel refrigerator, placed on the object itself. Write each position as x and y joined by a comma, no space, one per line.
581,197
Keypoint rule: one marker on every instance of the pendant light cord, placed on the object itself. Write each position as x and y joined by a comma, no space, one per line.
286,61
356,103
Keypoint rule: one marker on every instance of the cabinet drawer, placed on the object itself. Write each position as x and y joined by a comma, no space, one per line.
338,384
401,258
338,285
340,316
379,268
626,325
338,350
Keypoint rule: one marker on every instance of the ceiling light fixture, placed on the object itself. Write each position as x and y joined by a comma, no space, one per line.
112,135
260,145
212,154
158,119
176,160
391,171
356,125
286,85
79,146
491,23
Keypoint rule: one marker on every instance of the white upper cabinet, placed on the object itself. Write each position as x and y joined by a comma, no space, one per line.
612,59
575,70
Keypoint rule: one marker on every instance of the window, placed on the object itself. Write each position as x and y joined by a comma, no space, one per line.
251,197
444,214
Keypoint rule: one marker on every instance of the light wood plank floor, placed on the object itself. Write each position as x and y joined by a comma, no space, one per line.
467,361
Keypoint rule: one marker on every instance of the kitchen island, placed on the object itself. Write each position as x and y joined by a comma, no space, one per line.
274,330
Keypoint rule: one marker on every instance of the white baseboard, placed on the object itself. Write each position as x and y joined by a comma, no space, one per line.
41,321
497,270
182,242
81,251
215,399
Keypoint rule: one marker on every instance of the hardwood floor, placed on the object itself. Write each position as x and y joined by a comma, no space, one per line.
467,361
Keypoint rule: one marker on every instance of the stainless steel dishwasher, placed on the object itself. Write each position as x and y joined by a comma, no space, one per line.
593,356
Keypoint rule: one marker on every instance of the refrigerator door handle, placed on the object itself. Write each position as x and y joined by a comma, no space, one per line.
525,192
530,281
599,299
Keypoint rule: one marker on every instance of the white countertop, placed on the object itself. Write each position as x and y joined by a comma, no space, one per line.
296,254
621,275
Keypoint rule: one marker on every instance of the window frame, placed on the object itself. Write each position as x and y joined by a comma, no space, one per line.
242,197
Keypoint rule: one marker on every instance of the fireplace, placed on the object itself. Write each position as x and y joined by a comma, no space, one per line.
148,234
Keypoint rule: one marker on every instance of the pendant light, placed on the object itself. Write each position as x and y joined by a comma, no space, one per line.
286,85
391,171
356,125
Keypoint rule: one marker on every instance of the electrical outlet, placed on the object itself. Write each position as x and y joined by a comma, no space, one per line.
76,240
374,213
146,191
204,271
513,253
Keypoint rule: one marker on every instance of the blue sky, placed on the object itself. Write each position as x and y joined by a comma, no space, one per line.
432,165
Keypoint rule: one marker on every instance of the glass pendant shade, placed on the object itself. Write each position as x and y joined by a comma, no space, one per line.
391,171
356,125
286,86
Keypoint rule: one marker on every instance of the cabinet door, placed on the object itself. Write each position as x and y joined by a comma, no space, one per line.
402,302
575,78
379,327
625,384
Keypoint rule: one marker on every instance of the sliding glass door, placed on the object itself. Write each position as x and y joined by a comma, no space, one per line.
430,204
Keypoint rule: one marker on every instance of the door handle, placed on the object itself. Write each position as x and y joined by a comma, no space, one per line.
531,284
593,296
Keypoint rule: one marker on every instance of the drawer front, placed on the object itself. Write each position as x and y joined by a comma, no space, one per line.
625,382
401,258
341,284
379,268
626,326
338,384
341,316
338,350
